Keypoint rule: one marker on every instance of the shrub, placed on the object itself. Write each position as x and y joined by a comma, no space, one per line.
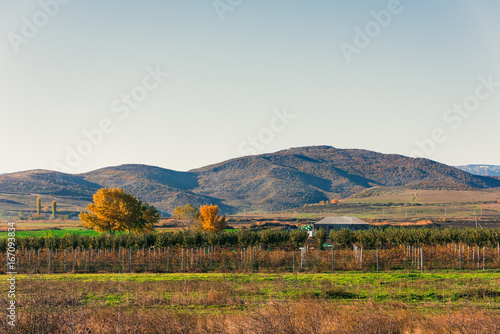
320,237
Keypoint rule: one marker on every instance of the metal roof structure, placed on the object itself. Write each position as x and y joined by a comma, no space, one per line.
341,221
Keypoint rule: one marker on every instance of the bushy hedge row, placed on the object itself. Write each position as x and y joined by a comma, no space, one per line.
166,239
416,236
366,238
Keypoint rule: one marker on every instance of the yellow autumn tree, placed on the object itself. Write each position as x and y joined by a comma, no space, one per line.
113,210
209,219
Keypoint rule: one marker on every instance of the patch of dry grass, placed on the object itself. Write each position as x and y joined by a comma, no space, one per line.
232,306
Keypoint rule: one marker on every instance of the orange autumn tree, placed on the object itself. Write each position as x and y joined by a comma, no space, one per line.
209,219
113,210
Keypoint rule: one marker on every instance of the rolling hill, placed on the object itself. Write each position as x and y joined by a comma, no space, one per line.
285,179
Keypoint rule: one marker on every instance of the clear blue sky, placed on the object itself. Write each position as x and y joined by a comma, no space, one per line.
227,78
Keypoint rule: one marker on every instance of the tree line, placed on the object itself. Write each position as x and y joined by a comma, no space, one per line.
186,238
374,238
393,236
114,210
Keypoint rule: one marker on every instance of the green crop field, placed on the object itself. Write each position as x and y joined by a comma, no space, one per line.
417,290
447,286
50,232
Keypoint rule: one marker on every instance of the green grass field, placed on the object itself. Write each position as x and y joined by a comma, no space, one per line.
59,232
414,288
68,230
347,303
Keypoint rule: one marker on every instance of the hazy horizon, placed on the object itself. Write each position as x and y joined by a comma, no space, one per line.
181,85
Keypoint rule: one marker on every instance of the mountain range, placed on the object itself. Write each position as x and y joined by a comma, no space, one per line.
484,170
266,182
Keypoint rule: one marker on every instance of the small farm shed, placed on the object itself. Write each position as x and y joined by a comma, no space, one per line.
338,223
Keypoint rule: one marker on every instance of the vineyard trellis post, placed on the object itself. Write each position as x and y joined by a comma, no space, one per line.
123,258
211,251
303,260
361,259
422,259
460,258
377,260
168,259
253,260
483,259
333,260
129,259
478,257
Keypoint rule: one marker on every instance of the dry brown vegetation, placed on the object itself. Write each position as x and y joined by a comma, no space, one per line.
227,305
275,317
39,225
